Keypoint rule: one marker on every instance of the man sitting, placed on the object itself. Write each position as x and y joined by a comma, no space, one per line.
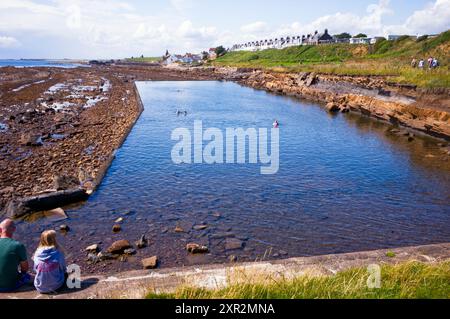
13,256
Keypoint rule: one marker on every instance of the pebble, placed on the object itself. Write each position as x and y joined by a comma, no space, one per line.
116,228
64,228
200,227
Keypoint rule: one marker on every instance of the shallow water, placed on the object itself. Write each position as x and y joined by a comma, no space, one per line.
39,63
345,183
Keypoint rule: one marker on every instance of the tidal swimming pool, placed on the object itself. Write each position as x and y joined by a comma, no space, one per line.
345,183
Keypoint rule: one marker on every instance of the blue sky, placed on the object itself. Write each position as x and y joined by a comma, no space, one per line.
121,28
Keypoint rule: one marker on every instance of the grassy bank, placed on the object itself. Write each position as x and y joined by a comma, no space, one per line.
386,58
409,280
144,59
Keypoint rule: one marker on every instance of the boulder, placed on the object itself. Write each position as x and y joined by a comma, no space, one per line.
194,248
119,246
150,263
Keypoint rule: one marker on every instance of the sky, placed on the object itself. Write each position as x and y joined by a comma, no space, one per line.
101,29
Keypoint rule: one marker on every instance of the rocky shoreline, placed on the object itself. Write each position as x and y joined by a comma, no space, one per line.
405,106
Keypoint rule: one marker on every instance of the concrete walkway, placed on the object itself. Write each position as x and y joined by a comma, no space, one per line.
136,284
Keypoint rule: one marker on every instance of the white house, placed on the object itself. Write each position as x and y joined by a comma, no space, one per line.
360,40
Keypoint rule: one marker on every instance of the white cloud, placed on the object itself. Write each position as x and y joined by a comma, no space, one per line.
8,42
433,18
115,28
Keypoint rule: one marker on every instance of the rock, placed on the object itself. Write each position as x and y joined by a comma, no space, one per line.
200,227
332,107
93,258
119,246
119,220
232,259
31,140
345,110
56,215
64,182
116,228
150,263
129,251
178,229
312,79
196,248
233,243
105,256
142,242
93,248
64,228
7,190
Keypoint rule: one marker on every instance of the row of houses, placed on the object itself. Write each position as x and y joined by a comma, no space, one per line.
310,39
188,58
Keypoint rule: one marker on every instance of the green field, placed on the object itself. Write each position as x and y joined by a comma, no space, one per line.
410,280
386,58
144,59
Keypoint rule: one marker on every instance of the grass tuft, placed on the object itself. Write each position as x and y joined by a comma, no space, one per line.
409,280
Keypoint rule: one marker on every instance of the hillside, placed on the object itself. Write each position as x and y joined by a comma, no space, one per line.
389,58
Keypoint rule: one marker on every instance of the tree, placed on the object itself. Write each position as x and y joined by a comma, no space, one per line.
220,51
361,35
205,55
344,35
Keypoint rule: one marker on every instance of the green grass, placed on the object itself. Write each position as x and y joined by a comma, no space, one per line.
390,254
144,59
412,280
385,58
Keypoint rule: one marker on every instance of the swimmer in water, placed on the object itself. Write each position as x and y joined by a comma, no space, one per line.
276,124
